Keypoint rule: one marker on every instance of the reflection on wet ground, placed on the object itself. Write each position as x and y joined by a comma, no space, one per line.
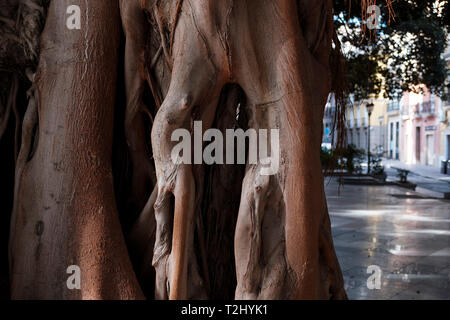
405,235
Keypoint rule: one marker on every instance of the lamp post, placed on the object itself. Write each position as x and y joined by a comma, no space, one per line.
369,108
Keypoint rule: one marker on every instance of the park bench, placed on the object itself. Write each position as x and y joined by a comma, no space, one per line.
402,174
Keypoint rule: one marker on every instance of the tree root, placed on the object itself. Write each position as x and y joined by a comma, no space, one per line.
29,124
9,105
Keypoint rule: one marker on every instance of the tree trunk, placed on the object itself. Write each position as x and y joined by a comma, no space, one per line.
64,208
205,231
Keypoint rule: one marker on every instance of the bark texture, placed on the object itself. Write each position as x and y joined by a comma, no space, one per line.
192,231
64,209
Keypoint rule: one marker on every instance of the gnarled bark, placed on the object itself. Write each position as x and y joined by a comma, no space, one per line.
257,64
285,74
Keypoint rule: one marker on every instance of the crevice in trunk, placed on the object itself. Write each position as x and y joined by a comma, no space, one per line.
222,194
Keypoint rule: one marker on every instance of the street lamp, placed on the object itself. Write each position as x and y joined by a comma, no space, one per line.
369,108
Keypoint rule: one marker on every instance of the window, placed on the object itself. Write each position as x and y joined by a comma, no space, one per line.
391,140
397,133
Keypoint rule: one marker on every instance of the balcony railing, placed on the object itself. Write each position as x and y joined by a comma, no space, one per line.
393,106
427,107
420,109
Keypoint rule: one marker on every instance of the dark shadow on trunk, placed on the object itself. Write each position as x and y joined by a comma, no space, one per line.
222,194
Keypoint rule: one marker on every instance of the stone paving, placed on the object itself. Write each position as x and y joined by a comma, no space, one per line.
428,179
402,232
429,172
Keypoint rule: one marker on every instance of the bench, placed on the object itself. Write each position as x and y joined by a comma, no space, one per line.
402,174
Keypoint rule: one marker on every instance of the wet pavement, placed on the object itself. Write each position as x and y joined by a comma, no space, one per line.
429,172
404,234
428,179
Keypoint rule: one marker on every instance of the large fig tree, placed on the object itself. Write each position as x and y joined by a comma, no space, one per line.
89,162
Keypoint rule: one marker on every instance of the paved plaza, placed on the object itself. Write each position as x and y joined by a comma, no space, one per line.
404,233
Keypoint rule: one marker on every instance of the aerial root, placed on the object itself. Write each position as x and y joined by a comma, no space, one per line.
13,102
163,39
30,121
7,113
174,25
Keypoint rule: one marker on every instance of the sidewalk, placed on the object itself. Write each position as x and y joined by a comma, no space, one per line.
429,180
418,169
408,238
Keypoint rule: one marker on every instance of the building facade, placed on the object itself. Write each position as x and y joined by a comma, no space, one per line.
425,126
414,129
357,120
420,129
358,125
444,117
393,128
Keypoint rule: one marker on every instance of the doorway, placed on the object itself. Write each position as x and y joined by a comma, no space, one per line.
448,147
429,149
397,146
417,144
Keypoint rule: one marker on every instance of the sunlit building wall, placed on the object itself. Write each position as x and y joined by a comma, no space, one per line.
421,129
444,116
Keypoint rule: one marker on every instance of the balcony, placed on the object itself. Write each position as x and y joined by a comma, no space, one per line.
393,106
423,109
427,107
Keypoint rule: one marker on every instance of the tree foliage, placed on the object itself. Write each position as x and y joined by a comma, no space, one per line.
405,50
